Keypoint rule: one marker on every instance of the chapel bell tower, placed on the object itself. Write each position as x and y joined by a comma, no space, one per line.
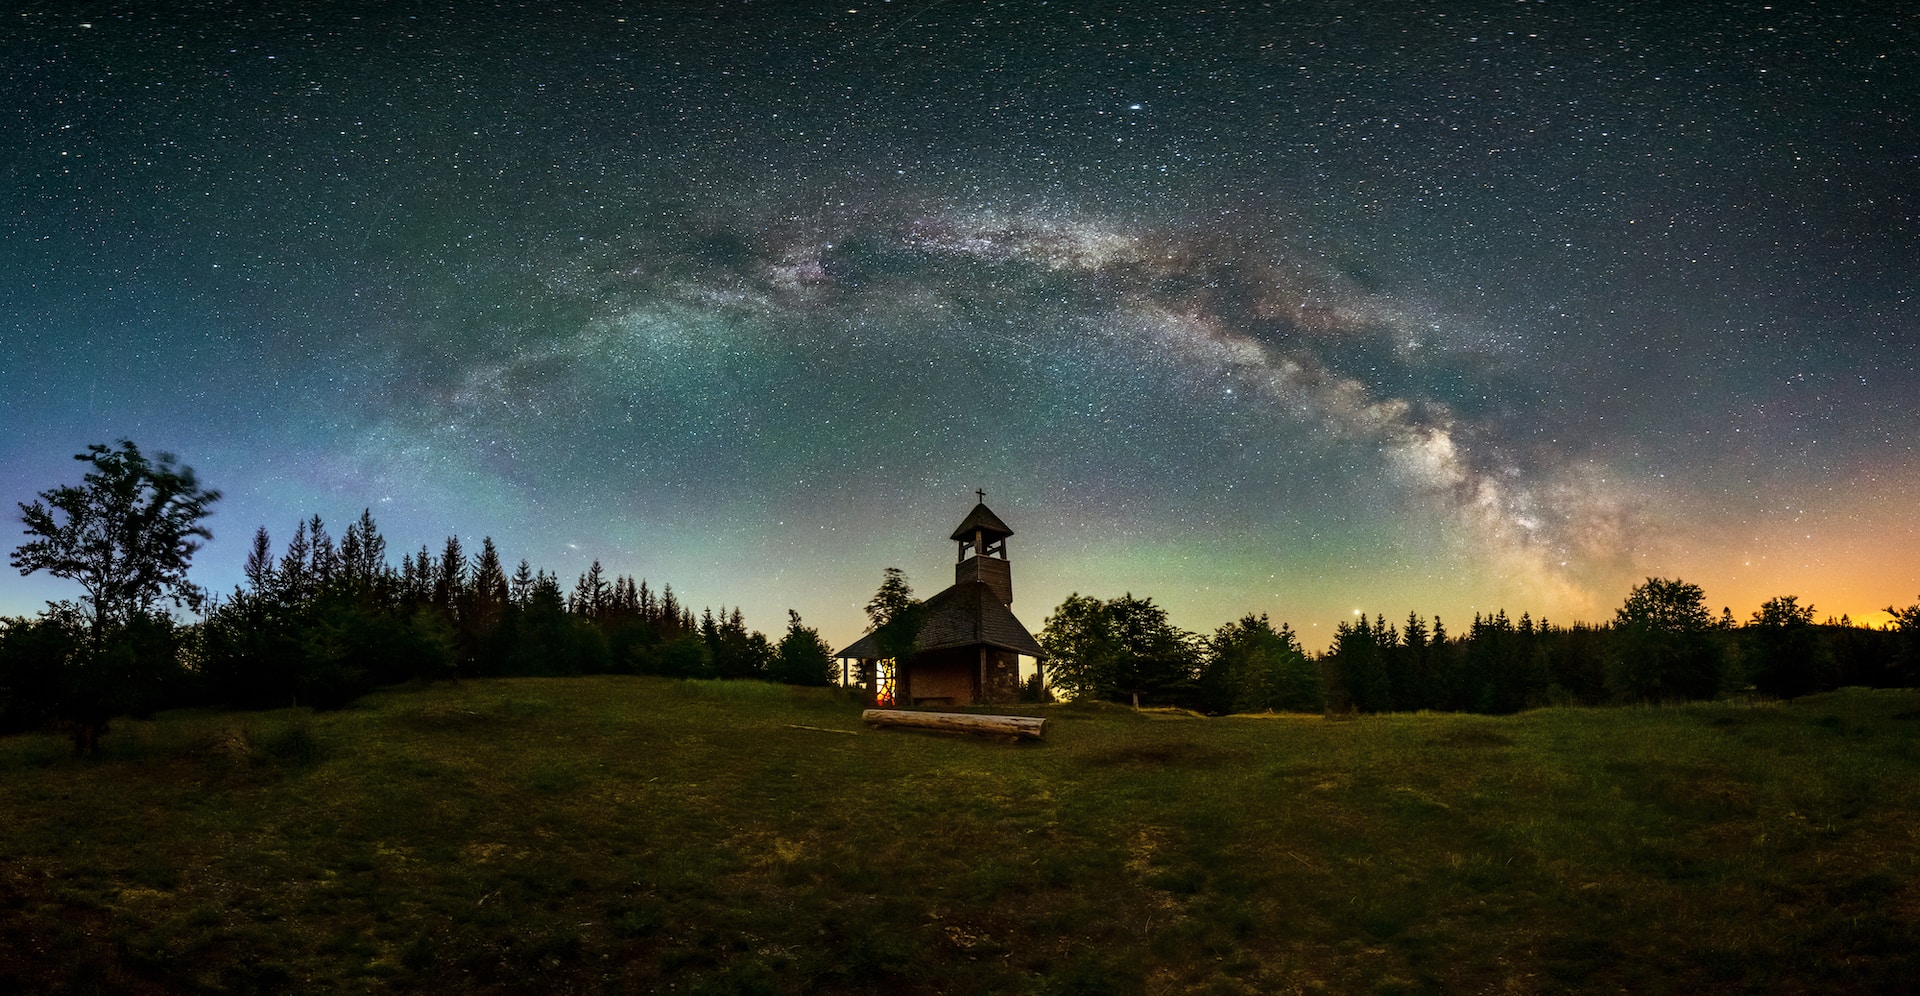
983,552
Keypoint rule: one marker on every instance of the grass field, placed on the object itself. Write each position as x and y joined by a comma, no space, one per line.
626,834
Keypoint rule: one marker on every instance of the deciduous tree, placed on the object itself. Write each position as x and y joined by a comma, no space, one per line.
1906,661
1785,655
1124,649
894,618
1253,667
1663,648
126,533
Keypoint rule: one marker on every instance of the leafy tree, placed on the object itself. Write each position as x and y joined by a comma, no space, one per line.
126,533
894,597
1156,658
133,672
432,649
1124,649
252,654
1663,646
683,656
1906,659
894,617
1252,667
1785,655
1080,644
36,657
802,657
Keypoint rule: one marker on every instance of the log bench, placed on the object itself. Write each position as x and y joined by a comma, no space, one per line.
1028,727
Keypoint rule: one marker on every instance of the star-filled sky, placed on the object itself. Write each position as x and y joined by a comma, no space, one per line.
1296,308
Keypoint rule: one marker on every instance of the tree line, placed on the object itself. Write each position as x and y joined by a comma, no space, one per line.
323,621
1663,645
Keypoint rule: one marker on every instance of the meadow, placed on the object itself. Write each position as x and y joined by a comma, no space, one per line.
625,834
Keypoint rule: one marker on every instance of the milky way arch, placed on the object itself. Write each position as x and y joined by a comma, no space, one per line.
1310,351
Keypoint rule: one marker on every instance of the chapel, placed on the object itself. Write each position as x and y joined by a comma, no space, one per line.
969,643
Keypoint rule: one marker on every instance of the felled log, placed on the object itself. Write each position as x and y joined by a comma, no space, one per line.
1030,727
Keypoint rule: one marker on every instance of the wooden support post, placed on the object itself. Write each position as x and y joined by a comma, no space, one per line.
1028,727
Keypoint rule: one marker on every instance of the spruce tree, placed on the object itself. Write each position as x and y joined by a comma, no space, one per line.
802,657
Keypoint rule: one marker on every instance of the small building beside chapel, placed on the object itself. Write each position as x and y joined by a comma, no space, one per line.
969,644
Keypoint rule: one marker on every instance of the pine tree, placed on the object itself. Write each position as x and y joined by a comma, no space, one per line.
802,657
591,593
1419,687
451,581
293,580
674,617
1360,665
363,552
522,585
417,575
323,560
259,569
489,579
483,611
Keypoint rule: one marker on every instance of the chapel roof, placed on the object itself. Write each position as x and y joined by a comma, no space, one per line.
964,615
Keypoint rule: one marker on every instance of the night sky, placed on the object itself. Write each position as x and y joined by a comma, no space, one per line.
1296,308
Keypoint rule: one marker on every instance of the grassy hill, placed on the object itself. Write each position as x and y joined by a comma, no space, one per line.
626,834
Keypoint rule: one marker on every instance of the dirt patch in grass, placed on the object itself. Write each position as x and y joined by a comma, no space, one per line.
1180,754
1471,736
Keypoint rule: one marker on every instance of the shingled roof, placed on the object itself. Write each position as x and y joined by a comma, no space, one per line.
964,615
981,518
